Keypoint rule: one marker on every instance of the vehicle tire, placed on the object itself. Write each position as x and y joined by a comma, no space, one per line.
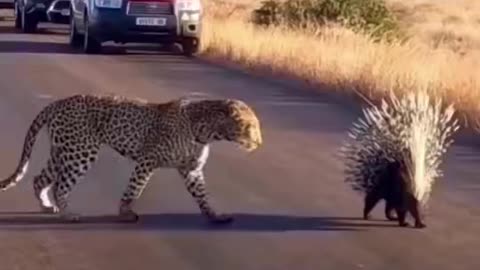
90,45
190,46
18,16
172,47
169,45
29,22
75,37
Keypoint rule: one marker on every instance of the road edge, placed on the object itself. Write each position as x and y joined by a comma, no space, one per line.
350,101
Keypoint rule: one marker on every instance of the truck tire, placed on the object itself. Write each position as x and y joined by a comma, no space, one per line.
18,16
75,38
190,46
90,45
29,22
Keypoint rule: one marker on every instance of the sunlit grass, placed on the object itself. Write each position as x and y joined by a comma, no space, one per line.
346,61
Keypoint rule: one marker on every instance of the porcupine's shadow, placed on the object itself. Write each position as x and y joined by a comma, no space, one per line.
195,222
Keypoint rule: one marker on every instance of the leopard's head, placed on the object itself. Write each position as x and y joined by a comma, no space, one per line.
242,125
224,119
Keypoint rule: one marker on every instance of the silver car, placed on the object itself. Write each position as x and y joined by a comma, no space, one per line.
140,21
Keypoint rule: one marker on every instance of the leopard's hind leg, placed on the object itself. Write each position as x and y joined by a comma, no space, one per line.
43,182
72,168
41,186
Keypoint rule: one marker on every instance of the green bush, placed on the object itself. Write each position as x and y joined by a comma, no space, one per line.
367,16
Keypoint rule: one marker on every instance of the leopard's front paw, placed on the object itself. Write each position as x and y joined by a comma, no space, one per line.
129,216
220,219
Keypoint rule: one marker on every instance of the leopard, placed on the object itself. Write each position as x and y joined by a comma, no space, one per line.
174,134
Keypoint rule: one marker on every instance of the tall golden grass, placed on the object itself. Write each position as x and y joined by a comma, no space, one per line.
346,61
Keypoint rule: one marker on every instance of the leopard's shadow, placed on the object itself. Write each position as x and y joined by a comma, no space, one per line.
190,222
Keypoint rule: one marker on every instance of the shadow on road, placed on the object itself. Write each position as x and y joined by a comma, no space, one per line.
35,47
64,48
8,30
40,31
193,222
5,18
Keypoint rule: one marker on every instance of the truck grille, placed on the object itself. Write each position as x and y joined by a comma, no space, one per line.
59,5
62,5
149,8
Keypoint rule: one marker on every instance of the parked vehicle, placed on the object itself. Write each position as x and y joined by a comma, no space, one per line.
140,21
59,12
28,13
6,4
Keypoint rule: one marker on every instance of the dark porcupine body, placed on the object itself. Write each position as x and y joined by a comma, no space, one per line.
395,154
398,197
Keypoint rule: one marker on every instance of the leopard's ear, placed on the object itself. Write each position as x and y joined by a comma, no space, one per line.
235,107
230,102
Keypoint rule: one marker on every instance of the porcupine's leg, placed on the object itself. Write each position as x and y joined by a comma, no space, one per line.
389,209
413,208
398,192
402,214
398,199
371,199
400,203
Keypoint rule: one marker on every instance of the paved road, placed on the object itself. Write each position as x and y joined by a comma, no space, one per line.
291,207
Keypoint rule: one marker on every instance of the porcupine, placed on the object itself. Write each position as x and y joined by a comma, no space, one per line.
396,153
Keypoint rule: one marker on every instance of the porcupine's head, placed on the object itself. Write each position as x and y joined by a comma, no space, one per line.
412,132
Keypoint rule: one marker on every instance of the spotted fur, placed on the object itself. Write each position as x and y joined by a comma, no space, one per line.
175,134
396,151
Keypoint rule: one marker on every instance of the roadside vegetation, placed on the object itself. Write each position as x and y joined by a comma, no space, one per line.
362,46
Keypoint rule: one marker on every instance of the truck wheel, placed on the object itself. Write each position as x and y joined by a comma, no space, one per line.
90,45
75,37
29,22
18,16
172,47
190,46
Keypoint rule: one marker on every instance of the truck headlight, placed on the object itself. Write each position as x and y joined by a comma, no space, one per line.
108,3
195,16
190,17
188,5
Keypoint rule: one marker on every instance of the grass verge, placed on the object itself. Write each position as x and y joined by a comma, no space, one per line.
343,60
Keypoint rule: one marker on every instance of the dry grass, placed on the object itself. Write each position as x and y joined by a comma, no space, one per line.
451,24
442,55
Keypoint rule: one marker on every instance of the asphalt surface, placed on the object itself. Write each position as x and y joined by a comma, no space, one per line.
291,207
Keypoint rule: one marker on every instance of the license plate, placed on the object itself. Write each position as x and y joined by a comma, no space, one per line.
40,5
65,12
151,21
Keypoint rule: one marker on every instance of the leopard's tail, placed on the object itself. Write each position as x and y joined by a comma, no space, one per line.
36,125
